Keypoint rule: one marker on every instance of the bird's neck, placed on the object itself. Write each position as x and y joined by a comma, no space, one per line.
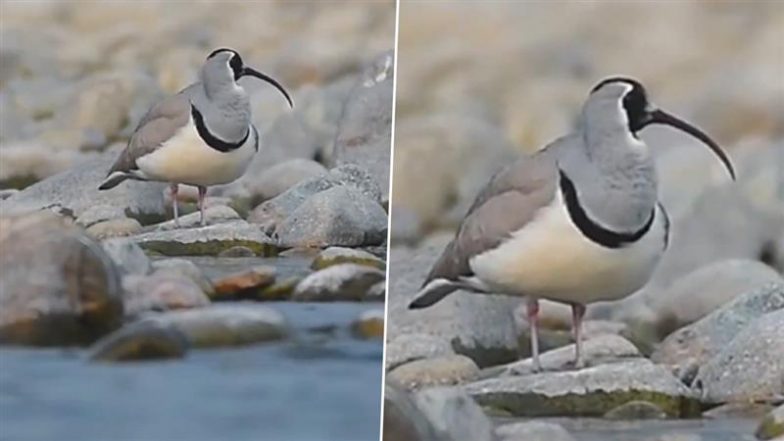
226,111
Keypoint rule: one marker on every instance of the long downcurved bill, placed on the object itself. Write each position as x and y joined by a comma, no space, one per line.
269,79
662,117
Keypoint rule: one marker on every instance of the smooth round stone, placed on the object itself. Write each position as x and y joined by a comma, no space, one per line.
114,228
185,268
369,325
346,282
140,341
336,255
160,292
406,348
280,290
240,284
438,371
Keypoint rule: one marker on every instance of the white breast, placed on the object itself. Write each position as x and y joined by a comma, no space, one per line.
187,159
550,258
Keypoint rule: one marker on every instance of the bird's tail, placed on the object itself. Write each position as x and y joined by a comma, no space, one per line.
113,180
433,292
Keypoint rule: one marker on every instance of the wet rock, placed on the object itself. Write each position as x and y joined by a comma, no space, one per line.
122,227
533,431
436,371
140,341
403,420
587,392
750,367
636,410
480,327
369,325
226,325
208,241
76,190
454,414
280,177
160,292
345,281
185,268
738,411
697,294
243,284
602,349
127,256
411,347
213,215
57,285
377,292
772,425
336,255
238,251
365,129
280,290
699,342
338,216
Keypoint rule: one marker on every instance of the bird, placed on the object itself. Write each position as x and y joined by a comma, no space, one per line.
201,136
577,222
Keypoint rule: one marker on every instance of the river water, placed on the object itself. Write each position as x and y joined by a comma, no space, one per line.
322,385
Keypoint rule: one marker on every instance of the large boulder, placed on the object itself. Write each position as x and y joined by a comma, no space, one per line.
365,129
75,191
208,241
454,414
339,216
403,420
57,285
750,368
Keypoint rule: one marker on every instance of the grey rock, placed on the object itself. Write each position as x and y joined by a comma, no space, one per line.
208,241
369,325
99,213
214,215
140,341
587,392
272,212
280,177
127,256
185,268
352,175
365,129
406,348
704,290
445,370
76,190
403,420
405,227
772,425
338,216
699,342
602,349
480,327
226,325
346,281
57,285
7,193
336,255
160,292
750,367
533,431
454,414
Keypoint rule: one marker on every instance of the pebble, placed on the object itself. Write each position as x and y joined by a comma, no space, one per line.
243,284
444,370
140,341
185,268
369,325
160,291
335,255
406,348
122,227
346,281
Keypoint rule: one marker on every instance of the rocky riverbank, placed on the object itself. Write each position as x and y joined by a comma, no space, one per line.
701,344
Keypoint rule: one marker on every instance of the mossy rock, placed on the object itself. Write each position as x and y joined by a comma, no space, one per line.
280,290
587,392
140,341
337,255
772,426
208,241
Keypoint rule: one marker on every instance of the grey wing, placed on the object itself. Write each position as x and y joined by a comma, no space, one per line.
160,123
509,201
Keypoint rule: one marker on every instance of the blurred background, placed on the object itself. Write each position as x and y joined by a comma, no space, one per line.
75,79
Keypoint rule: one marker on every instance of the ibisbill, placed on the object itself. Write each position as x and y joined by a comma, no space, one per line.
576,223
201,136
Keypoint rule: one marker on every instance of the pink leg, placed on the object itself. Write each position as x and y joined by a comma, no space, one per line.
202,193
174,188
578,311
533,322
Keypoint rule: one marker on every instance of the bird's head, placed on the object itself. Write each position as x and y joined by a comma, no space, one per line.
225,66
626,101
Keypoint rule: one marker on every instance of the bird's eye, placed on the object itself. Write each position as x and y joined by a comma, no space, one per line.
635,103
236,66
